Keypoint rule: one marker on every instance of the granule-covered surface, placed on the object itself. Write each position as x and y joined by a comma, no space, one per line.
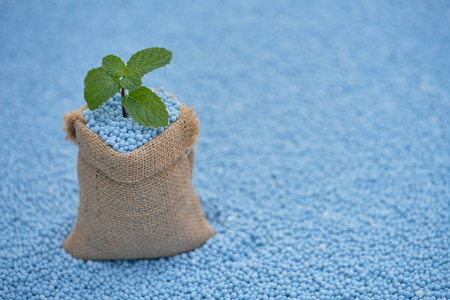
124,134
323,161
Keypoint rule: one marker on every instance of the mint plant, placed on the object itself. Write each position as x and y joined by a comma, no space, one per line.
141,103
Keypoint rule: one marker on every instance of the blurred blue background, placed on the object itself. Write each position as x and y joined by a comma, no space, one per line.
323,161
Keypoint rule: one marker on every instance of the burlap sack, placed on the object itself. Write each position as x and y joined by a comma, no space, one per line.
136,205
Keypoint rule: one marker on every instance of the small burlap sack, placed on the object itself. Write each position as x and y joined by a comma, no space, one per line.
136,205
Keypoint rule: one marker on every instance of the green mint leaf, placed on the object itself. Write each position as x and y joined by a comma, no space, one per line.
90,74
146,108
131,82
149,59
99,86
126,71
113,65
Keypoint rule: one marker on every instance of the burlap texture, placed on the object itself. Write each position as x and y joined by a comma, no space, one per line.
136,205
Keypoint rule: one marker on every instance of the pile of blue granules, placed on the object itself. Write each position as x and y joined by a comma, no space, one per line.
125,134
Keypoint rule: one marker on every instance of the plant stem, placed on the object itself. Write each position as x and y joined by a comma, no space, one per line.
124,112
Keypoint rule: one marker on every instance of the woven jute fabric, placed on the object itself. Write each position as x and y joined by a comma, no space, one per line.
136,205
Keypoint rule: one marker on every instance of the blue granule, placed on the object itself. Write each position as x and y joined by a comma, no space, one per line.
125,134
